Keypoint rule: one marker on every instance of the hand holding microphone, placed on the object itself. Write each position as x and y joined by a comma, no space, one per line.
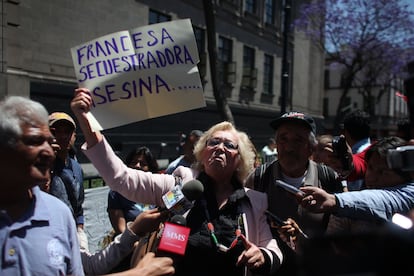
177,202
146,222
173,235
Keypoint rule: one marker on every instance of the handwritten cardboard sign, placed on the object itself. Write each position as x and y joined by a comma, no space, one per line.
142,73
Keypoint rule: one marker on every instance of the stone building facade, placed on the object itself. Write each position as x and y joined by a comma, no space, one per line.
36,37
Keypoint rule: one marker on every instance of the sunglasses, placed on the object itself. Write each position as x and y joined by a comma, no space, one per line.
229,145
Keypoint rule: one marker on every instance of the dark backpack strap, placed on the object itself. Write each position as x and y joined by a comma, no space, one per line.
258,172
322,173
327,177
259,176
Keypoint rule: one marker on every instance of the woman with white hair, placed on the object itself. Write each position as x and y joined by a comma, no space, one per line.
229,234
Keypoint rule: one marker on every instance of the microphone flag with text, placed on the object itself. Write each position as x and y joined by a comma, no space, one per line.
173,236
179,200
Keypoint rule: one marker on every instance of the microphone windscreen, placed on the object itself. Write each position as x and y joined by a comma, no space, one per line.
178,219
193,189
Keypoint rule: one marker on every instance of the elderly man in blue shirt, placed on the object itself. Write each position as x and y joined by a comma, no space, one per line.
37,231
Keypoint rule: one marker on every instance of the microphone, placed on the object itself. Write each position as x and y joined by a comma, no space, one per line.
174,237
179,200
170,240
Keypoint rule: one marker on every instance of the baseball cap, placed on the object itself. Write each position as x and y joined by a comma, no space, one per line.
57,116
294,116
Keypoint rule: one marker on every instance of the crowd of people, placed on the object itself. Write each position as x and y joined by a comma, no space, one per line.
251,218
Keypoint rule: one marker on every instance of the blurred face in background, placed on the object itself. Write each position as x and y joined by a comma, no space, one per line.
188,146
294,148
64,133
139,162
378,175
323,152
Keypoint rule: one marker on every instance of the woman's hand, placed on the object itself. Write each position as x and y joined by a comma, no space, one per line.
252,256
81,104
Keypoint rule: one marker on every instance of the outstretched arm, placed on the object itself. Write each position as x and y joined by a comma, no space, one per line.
104,260
364,204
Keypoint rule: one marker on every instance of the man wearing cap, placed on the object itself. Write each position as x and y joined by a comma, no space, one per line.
295,140
188,158
67,175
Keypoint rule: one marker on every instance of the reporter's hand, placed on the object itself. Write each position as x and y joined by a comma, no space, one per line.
317,200
289,233
337,161
150,266
147,221
154,266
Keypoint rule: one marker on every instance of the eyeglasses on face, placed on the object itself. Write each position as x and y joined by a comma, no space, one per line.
229,145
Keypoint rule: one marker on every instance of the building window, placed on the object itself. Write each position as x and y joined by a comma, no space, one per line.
250,6
369,106
233,2
343,80
200,39
225,57
158,17
347,107
325,109
327,79
268,75
270,9
225,49
249,70
248,57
